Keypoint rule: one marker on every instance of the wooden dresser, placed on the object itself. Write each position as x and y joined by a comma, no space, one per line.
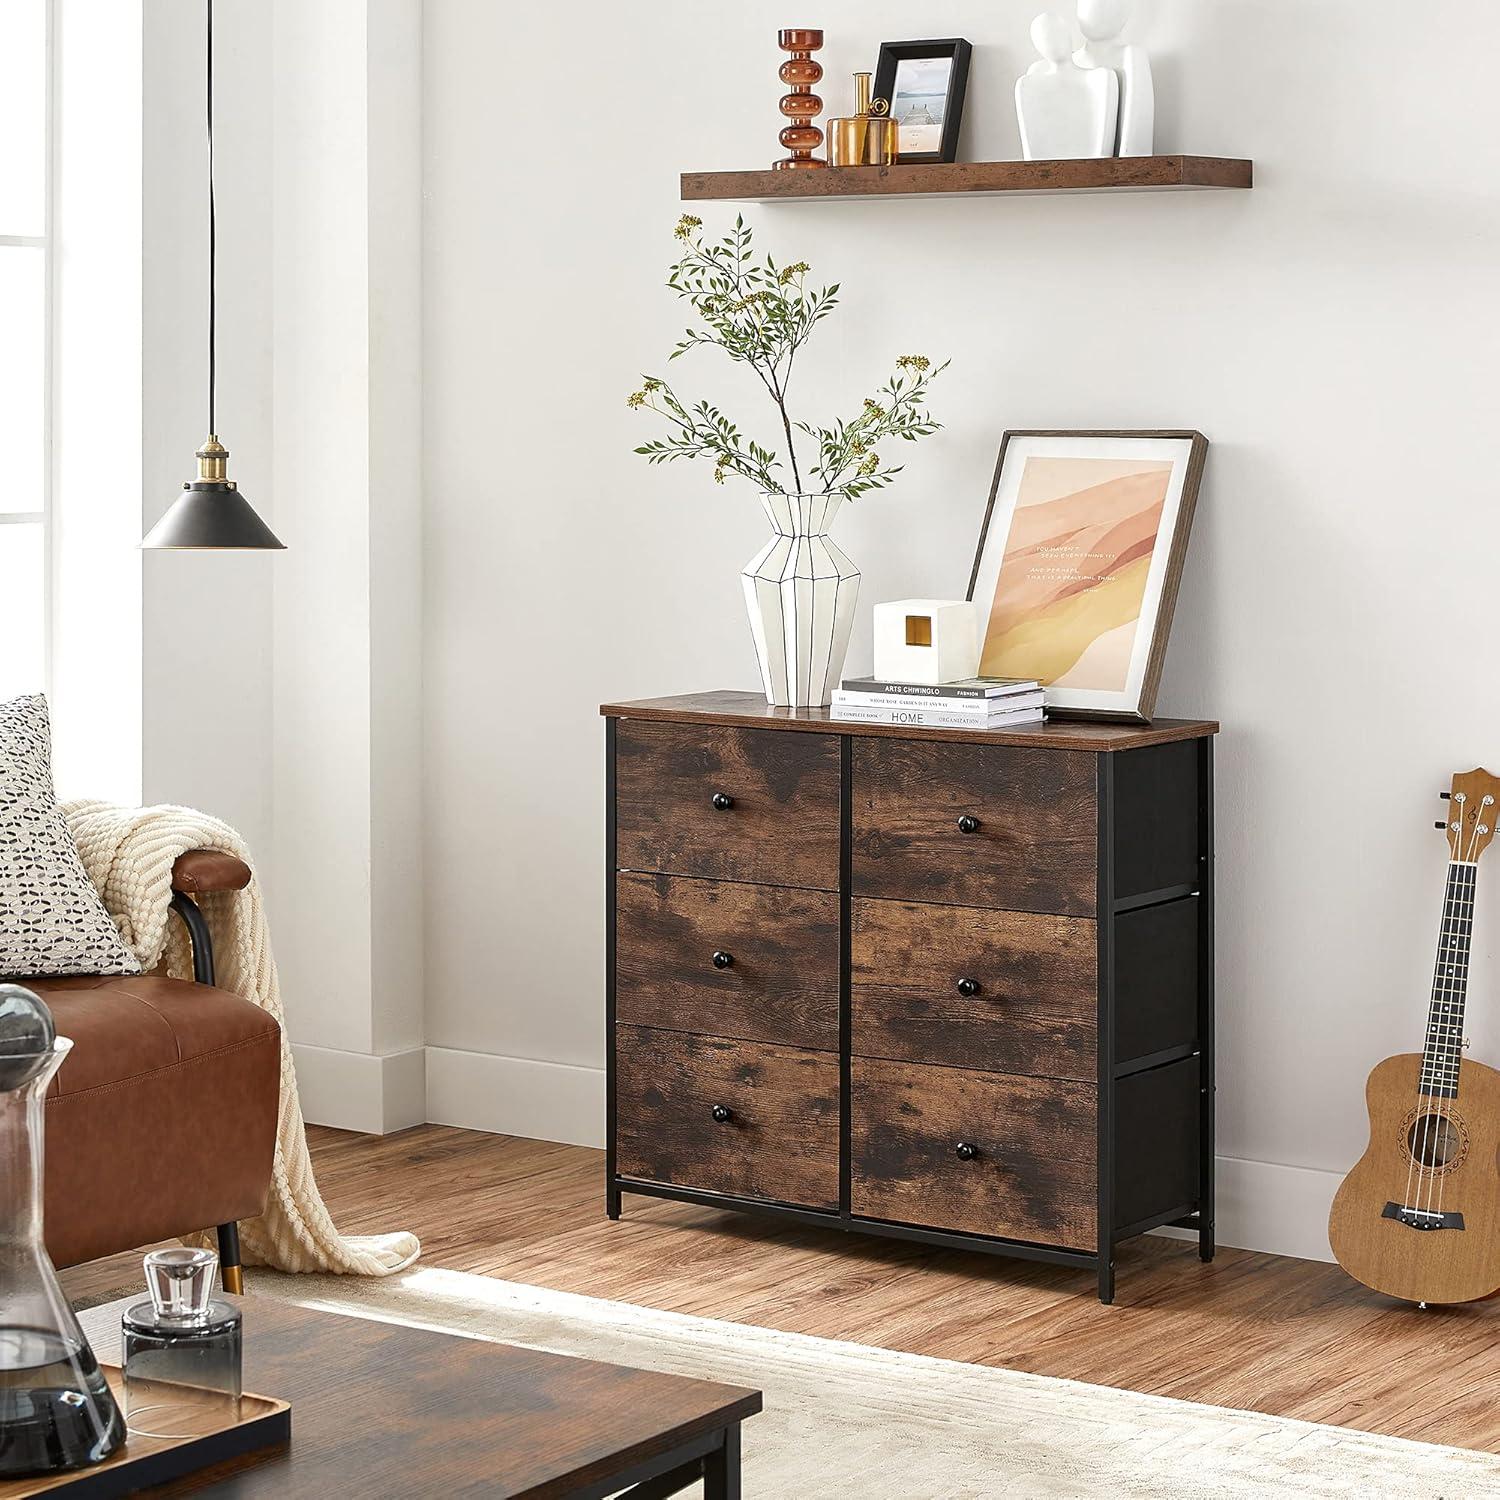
953,986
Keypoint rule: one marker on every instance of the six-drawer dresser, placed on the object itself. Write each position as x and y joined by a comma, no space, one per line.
955,986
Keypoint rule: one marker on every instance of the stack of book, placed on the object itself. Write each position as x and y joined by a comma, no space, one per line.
979,703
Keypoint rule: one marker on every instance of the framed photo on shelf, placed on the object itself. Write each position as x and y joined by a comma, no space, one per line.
924,83
1079,559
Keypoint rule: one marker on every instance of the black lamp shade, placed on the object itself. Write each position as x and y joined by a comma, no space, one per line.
211,516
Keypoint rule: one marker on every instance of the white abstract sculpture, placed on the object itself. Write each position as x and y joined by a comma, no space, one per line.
1102,21
1065,110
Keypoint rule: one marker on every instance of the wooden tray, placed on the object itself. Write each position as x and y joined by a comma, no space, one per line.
141,1461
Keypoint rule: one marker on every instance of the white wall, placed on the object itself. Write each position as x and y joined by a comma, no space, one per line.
206,721
1331,331
347,661
278,691
161,671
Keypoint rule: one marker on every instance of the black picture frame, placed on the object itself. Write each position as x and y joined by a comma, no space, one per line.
958,51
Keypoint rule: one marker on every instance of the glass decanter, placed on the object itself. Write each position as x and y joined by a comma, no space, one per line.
182,1350
56,1412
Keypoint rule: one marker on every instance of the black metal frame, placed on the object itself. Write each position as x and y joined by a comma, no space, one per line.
203,973
1207,1078
611,923
713,1457
846,973
198,938
945,1239
1104,928
1200,1217
1197,1215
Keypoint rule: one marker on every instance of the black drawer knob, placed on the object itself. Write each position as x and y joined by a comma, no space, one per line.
722,1114
968,987
968,824
966,1151
723,960
721,801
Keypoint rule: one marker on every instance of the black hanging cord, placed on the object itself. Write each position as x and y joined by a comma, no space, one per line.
213,241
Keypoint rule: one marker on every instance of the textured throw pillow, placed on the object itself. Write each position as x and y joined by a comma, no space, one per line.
52,921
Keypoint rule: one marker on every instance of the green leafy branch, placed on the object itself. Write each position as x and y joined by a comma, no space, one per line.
761,314
897,410
703,431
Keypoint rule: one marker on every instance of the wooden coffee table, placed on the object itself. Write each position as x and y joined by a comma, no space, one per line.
381,1409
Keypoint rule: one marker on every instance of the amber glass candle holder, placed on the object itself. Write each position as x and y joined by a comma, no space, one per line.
799,104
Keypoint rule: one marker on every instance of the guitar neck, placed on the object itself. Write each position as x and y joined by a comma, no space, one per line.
1450,985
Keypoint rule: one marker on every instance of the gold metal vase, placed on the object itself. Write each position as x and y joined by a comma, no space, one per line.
868,137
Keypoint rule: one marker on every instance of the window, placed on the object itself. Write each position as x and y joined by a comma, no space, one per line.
24,328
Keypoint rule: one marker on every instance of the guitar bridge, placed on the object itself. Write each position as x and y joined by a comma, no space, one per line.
1421,1218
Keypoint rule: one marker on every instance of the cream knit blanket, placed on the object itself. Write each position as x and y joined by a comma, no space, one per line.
129,854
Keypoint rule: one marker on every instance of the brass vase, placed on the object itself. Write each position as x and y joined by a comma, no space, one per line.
868,137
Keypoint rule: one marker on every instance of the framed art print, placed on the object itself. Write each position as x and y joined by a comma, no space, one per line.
924,85
1078,563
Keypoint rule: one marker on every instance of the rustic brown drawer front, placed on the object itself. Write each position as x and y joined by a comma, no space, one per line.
729,804
754,961
872,976
1032,836
778,1137
1030,1145
1010,991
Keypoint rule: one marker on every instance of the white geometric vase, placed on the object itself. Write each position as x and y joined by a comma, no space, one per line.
800,592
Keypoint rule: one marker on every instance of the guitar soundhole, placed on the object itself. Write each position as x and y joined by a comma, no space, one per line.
1434,1141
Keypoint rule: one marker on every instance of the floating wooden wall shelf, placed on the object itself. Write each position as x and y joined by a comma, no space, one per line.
1109,174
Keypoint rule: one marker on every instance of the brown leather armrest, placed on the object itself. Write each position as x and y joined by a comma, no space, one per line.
201,870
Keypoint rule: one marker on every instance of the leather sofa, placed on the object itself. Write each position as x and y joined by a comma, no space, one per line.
162,1121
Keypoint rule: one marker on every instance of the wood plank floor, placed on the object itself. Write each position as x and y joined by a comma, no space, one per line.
1289,1337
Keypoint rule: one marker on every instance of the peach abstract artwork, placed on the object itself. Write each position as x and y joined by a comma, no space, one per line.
1072,583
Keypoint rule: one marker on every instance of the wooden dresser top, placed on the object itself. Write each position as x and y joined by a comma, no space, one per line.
751,711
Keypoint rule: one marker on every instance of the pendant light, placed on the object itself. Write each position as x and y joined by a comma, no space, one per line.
211,513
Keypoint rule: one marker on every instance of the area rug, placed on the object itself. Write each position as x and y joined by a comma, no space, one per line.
848,1420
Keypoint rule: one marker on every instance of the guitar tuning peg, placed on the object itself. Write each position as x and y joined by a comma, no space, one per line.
1440,824
1445,795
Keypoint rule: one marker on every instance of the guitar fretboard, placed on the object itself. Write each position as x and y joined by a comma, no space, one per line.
1450,984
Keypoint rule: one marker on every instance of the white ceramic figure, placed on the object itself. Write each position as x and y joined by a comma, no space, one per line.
1065,110
1102,22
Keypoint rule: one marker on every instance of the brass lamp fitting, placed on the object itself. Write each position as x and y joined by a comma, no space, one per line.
213,462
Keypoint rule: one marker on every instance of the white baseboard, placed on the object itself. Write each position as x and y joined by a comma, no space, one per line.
1264,1205
1261,1205
359,1091
516,1096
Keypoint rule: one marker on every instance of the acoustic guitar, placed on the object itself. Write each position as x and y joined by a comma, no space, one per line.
1419,1216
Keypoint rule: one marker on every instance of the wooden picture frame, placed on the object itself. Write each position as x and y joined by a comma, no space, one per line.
1081,593
952,51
